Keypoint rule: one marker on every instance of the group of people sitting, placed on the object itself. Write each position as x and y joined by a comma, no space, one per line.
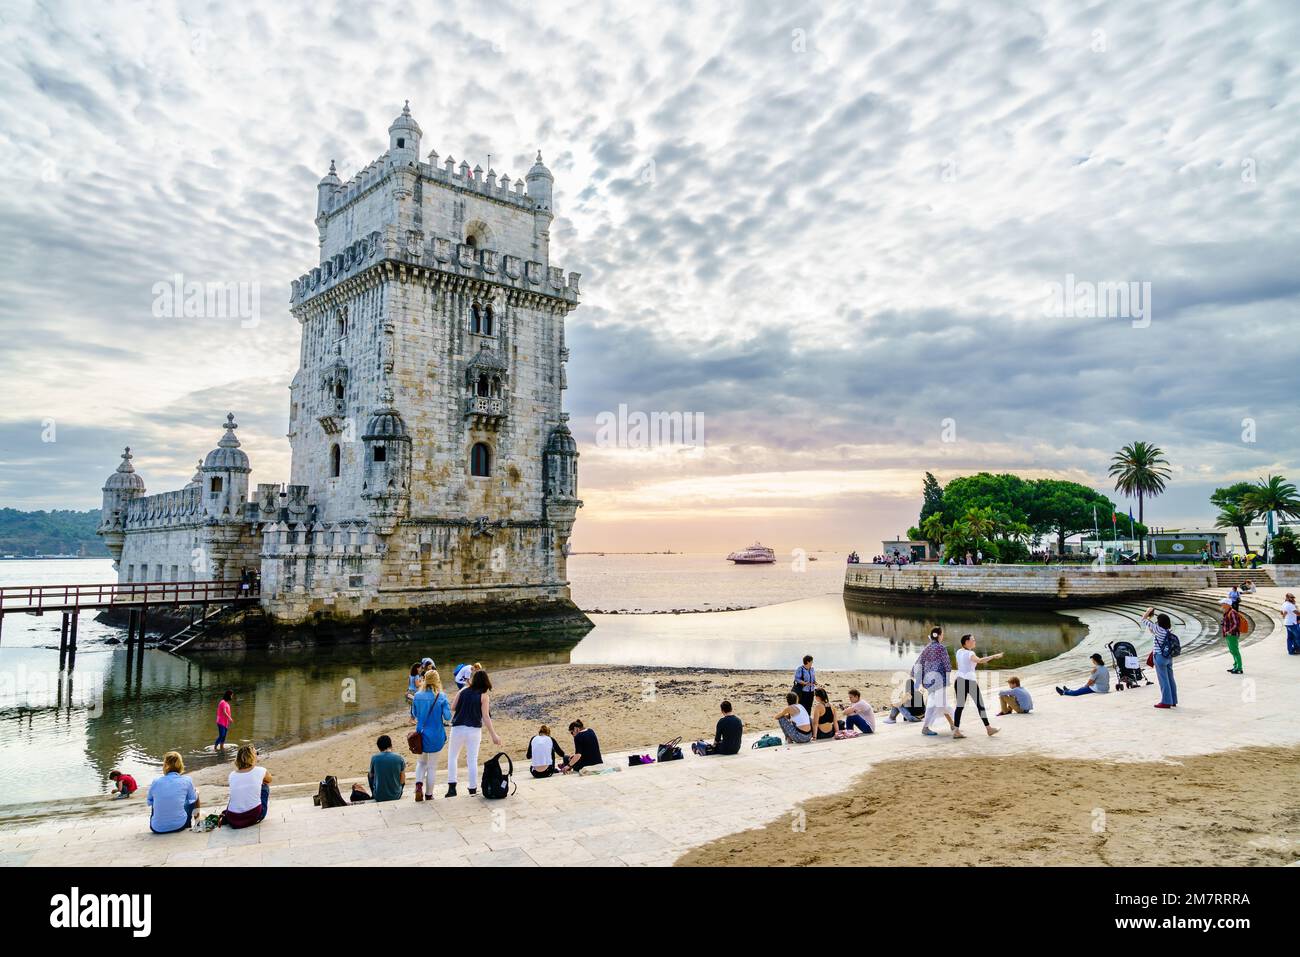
173,799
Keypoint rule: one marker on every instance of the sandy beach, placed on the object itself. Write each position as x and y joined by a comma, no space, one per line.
631,709
1234,808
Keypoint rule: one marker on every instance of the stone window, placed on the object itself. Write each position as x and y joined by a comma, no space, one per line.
401,143
380,453
215,485
480,460
481,319
341,328
336,460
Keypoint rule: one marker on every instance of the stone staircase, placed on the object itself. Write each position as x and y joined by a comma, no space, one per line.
1226,577
192,632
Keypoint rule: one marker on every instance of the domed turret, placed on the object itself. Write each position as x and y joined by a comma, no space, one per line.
122,488
404,137
388,466
225,477
540,182
326,188
560,471
125,478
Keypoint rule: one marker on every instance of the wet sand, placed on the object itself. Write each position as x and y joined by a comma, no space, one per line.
1226,809
630,708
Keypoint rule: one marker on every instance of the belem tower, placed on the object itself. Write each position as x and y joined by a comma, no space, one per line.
433,475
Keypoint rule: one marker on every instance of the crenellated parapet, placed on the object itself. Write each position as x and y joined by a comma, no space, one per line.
440,254
166,510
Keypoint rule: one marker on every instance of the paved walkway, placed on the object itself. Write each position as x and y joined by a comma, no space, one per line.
652,815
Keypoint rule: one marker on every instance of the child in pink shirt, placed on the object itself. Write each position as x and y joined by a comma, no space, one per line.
223,719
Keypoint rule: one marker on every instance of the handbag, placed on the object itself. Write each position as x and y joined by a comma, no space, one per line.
415,741
1151,659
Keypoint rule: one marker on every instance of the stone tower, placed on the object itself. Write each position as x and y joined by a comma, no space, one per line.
426,414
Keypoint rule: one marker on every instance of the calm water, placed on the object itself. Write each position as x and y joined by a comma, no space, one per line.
61,735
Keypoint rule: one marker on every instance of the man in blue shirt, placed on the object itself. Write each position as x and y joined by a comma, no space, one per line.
387,772
1015,699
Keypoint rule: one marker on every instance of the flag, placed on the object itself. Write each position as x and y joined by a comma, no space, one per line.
1113,519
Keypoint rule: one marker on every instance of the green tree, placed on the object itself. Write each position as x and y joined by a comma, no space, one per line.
1067,508
1273,494
931,498
1140,469
1235,515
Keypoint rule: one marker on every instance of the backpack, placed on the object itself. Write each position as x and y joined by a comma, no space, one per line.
669,751
328,795
767,741
496,783
1174,645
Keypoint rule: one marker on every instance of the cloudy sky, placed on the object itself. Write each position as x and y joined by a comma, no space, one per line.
825,228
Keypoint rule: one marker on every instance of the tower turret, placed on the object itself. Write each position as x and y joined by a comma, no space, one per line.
122,488
404,137
225,477
388,467
325,189
540,183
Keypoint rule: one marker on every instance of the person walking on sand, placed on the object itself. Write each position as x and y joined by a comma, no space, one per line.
471,714
1289,619
805,682
431,712
968,684
931,673
1232,628
1161,647
223,720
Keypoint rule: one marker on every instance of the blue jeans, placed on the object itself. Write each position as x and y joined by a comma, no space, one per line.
1165,675
221,735
1086,689
857,721
266,800
1293,639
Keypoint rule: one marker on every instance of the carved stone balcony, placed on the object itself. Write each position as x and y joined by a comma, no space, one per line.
485,411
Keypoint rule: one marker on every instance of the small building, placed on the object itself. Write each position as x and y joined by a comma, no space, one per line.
1186,544
910,549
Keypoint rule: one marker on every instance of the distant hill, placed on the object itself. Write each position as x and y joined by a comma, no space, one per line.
61,532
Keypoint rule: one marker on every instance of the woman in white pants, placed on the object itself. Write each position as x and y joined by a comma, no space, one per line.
470,715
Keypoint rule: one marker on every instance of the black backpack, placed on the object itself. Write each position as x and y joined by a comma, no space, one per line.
329,794
496,783
1174,646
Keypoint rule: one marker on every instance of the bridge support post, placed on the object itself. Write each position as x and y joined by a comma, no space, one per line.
72,640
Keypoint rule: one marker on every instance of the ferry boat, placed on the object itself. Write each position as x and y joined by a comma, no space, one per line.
755,554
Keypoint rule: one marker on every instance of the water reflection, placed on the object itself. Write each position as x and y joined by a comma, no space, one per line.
62,732
839,634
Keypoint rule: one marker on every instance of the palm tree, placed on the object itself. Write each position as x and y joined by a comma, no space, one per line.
933,528
1140,469
980,522
1235,516
1273,494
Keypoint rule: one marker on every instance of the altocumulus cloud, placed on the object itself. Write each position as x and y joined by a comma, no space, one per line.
826,228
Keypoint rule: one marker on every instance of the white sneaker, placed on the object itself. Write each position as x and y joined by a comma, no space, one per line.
889,721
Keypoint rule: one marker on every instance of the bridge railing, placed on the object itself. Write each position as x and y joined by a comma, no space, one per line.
20,598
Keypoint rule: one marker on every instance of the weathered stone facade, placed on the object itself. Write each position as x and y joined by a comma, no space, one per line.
431,463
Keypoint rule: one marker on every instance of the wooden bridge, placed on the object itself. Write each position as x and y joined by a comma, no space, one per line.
136,597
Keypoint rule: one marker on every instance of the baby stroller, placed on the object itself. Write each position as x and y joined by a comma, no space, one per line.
1128,666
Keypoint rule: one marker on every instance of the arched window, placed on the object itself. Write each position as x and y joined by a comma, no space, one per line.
481,388
480,460
496,387
487,320
380,453
476,319
338,389
336,461
215,485
471,241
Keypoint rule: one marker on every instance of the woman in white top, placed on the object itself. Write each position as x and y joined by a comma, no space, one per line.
1292,625
966,684
542,752
794,721
250,790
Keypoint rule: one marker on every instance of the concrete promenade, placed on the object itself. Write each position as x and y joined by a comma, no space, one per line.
652,815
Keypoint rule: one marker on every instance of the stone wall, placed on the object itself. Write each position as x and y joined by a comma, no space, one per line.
1030,586
1285,576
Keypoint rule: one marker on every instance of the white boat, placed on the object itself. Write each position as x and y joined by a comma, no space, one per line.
755,554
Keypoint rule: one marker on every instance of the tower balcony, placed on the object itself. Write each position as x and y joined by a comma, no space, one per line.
486,411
